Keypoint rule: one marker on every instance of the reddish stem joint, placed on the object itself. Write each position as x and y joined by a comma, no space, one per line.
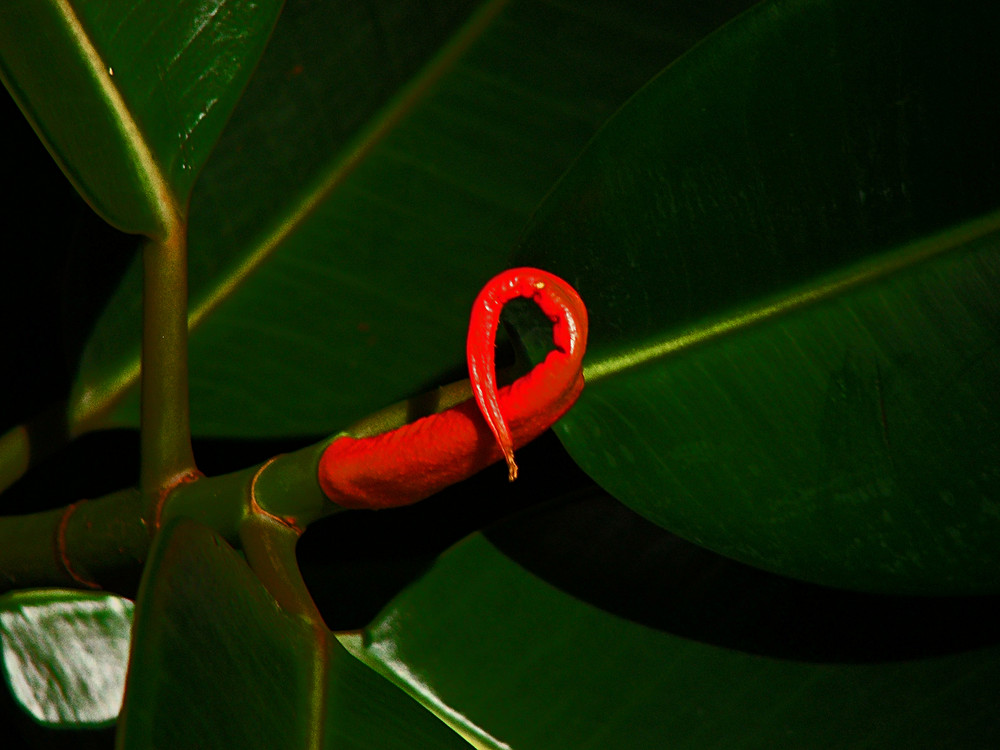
418,459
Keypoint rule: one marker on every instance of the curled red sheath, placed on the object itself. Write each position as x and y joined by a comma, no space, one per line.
416,460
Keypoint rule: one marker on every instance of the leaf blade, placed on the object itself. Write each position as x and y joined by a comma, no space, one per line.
64,655
776,259
245,671
412,205
129,102
684,655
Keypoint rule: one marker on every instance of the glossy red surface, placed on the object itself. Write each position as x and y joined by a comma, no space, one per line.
416,460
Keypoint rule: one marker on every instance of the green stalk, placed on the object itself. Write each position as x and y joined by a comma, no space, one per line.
164,423
98,543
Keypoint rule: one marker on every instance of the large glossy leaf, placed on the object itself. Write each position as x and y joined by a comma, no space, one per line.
374,176
666,645
789,245
217,664
128,96
65,653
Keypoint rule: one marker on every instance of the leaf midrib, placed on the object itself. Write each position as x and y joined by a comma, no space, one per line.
820,290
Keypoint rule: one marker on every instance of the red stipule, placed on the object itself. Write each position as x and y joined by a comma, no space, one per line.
418,459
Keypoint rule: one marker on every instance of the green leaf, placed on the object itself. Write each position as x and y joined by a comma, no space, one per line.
788,244
374,176
65,653
677,648
217,664
130,97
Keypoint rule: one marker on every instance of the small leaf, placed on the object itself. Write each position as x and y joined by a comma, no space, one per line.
788,245
65,654
129,96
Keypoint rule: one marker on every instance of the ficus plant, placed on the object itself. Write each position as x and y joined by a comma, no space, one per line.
747,260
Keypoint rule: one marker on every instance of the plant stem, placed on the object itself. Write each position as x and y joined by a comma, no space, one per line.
90,544
165,424
269,548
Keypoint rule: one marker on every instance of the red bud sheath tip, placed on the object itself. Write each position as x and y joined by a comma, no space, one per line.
418,459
